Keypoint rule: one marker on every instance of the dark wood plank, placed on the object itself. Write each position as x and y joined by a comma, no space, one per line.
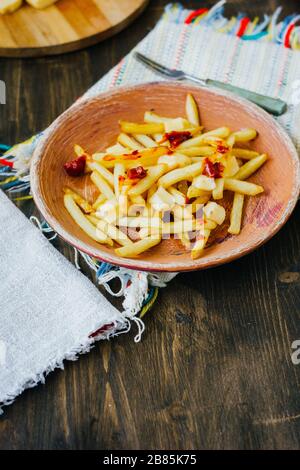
214,368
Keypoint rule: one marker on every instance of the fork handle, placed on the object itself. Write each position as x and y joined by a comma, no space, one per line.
274,106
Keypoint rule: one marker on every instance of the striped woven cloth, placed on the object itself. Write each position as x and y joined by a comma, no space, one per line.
200,49
257,54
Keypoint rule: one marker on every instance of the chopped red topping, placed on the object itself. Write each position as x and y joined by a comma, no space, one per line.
126,156
176,138
213,170
109,158
131,156
136,173
75,167
222,148
121,178
187,200
170,152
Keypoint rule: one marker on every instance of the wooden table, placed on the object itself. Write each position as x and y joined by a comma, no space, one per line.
214,368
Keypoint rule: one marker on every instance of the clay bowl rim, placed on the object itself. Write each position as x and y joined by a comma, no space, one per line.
148,265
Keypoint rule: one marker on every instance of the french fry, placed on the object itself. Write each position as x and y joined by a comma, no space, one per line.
114,233
204,182
83,222
210,224
244,135
80,201
104,172
179,226
102,185
199,245
145,140
139,247
199,202
138,200
174,161
236,214
133,158
117,149
137,210
123,203
182,212
151,191
174,176
92,218
218,191
197,159
242,187
159,138
140,221
230,140
128,142
119,173
178,196
133,128
108,211
100,199
245,154
80,151
162,200
192,111
201,151
145,183
150,117
221,132
183,187
196,192
231,166
144,232
214,212
185,240
177,125
250,167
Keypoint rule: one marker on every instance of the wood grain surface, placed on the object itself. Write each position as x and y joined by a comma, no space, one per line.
66,26
214,368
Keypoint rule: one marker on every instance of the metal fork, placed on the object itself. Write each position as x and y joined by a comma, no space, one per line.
274,106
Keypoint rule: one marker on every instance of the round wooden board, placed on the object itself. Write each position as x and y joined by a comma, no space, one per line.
66,26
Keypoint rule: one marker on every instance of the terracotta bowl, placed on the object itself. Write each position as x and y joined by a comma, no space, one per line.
93,124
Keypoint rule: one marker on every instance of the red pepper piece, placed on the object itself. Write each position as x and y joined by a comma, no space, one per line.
176,138
136,173
75,167
213,170
222,148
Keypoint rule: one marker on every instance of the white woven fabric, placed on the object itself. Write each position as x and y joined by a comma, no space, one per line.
48,308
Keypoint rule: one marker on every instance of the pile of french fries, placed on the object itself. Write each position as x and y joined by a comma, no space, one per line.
166,178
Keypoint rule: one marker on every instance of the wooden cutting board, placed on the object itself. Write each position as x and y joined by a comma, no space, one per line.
66,26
